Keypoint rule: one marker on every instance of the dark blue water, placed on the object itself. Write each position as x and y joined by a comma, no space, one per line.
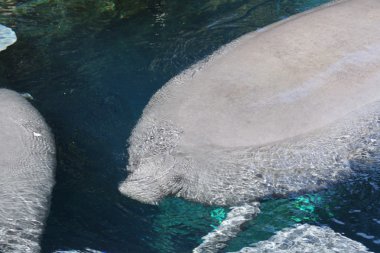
91,67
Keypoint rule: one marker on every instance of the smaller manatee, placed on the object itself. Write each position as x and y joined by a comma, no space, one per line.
27,163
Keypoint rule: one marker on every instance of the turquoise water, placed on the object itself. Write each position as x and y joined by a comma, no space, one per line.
91,67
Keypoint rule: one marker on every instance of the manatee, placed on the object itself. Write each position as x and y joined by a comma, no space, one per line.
306,238
7,37
27,162
285,110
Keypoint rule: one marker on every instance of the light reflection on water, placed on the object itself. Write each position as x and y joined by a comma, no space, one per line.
91,67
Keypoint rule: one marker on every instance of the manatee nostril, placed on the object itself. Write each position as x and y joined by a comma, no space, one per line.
133,165
177,179
133,177
145,193
132,180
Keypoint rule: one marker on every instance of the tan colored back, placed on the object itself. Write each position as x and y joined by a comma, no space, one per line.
288,79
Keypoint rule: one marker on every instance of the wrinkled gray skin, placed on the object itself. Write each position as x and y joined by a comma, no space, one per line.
281,111
307,238
290,109
27,162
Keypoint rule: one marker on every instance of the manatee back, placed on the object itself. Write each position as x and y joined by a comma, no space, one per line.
27,162
265,108
285,80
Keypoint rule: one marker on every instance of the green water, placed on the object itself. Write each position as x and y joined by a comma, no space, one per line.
91,67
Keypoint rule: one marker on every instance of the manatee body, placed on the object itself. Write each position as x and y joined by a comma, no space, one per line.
284,110
27,162
306,238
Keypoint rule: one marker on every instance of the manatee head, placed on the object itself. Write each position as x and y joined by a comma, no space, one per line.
160,165
152,179
154,170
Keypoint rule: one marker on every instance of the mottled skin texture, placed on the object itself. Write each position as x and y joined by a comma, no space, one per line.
27,162
281,111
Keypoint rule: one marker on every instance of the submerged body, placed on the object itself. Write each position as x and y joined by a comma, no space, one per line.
284,110
27,162
306,238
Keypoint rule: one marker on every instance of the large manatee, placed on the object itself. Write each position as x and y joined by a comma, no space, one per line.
27,162
281,111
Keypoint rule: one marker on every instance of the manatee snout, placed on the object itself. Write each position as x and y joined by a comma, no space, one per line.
145,190
150,181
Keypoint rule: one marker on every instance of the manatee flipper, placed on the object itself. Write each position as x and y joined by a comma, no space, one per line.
229,228
306,238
